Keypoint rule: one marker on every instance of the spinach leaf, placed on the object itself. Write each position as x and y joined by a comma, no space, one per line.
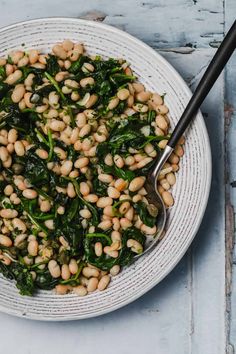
35,169
21,275
146,213
52,65
4,88
45,281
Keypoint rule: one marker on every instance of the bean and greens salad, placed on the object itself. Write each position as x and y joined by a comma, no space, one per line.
78,135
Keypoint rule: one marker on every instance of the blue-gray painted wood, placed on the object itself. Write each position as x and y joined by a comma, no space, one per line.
189,312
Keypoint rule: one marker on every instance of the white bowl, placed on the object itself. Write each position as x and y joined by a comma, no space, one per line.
190,192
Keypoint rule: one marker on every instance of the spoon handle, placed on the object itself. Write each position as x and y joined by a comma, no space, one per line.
211,74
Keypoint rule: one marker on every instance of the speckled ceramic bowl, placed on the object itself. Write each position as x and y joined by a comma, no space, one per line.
190,192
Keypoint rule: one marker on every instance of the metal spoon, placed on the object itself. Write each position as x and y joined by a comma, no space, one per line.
211,74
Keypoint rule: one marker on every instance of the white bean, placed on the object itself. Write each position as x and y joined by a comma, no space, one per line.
54,268
29,193
103,282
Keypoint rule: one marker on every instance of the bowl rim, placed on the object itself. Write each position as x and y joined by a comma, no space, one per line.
208,158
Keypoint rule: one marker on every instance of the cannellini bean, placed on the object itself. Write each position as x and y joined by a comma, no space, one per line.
3,140
92,284
71,190
129,160
113,103
43,154
135,246
162,144
90,272
84,188
8,190
108,211
116,224
18,93
138,87
179,151
65,272
67,45
105,178
4,154
120,184
14,77
174,159
49,224
105,225
5,260
19,224
3,61
130,214
136,184
149,230
60,210
53,98
98,249
113,192
125,223
161,122
66,167
171,178
10,148
85,130
163,109
19,240
116,236
8,213
45,206
29,80
54,268
80,120
103,282
123,94
29,193
115,270
144,162
104,201
12,135
8,162
167,198
80,290
87,81
149,150
119,162
57,125
60,153
19,148
85,213
33,248
124,207
5,241
81,162
59,51
143,96
87,67
61,289
9,69
74,135
73,266
33,56
91,198
108,160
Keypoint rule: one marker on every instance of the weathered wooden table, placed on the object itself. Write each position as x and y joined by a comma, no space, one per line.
192,310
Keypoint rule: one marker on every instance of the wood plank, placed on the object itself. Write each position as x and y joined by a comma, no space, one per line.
162,24
230,176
